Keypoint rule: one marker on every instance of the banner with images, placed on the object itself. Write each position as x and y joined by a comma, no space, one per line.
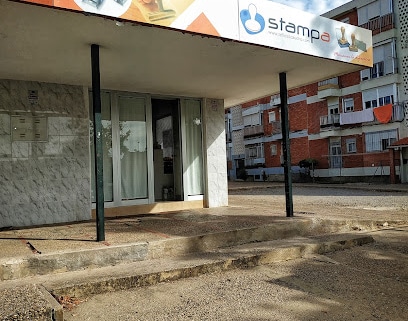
261,22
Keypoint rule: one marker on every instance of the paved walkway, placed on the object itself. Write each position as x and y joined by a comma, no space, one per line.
403,188
154,247
23,243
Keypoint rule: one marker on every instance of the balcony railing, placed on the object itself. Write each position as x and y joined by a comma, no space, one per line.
380,24
398,112
253,130
254,161
276,127
328,83
329,120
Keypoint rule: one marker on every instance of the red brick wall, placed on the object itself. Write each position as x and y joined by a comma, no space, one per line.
299,149
319,149
263,100
266,125
352,15
272,161
350,79
358,101
351,160
314,112
376,158
309,90
298,116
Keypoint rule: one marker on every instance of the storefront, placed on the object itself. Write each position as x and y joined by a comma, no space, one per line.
167,69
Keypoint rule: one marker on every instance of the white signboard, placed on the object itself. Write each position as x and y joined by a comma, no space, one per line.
261,22
274,25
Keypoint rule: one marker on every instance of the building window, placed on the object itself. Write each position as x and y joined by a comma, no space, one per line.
377,70
385,61
371,104
253,120
373,10
386,100
379,96
272,116
379,141
335,154
348,105
274,150
351,145
254,155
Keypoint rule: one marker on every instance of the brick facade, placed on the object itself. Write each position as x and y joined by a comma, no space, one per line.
316,130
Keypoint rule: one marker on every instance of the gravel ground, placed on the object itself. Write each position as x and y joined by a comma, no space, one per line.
327,202
366,283
362,284
37,305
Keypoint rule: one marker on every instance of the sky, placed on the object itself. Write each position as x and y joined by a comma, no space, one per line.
316,7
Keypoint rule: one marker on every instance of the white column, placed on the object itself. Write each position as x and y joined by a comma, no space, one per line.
216,184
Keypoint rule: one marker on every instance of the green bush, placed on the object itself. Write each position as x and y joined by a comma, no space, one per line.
308,163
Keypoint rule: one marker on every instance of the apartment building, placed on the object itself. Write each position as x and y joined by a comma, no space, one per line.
352,127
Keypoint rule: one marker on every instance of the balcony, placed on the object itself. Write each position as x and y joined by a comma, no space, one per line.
380,69
398,112
328,121
253,130
328,88
276,127
380,24
252,162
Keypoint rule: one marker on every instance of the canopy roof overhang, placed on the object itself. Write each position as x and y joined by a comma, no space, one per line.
50,45
403,142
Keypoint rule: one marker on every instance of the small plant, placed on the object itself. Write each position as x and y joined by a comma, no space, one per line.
309,163
242,174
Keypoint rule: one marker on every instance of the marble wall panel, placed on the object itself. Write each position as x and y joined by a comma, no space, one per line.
48,181
52,146
5,146
214,142
5,171
5,124
6,215
20,149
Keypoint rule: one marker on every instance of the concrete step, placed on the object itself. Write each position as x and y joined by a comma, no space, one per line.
81,284
76,259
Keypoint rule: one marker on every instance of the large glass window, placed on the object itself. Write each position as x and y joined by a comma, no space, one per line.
335,154
379,96
133,147
379,141
385,61
373,10
106,147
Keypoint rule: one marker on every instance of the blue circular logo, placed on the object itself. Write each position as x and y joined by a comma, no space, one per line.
252,21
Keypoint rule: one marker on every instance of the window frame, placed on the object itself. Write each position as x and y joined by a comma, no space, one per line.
348,109
351,145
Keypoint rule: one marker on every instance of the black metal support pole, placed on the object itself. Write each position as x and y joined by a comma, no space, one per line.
97,116
286,144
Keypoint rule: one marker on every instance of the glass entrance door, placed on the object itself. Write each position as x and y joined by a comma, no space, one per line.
126,120
132,148
192,148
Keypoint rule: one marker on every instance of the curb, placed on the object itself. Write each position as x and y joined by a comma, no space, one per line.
216,261
57,263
